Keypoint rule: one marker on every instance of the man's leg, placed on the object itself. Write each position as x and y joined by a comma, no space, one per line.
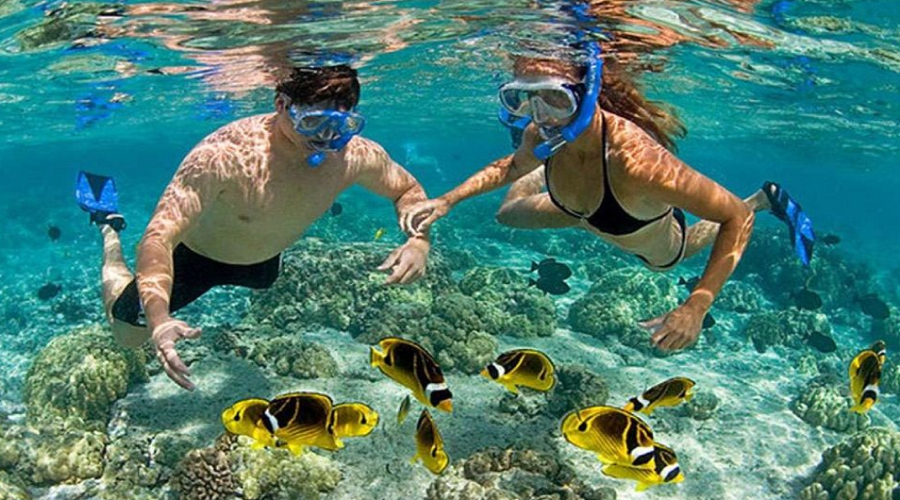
703,233
526,206
116,276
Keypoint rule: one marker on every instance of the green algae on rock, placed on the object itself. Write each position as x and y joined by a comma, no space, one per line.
618,301
790,327
290,356
740,297
278,475
334,285
495,474
81,374
205,474
864,467
821,403
13,488
576,387
511,307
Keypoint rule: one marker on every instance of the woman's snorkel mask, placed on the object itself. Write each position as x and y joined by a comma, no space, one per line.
524,102
328,130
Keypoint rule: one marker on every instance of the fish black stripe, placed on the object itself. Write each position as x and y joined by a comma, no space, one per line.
638,406
631,437
870,395
672,474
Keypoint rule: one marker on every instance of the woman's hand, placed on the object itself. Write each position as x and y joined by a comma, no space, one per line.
406,263
165,335
416,219
676,329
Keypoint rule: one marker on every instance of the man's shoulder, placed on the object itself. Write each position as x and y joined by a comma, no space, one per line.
250,129
363,149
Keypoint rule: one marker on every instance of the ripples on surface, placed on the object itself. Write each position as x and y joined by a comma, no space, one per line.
793,68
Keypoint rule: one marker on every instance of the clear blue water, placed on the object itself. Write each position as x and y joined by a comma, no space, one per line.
813,102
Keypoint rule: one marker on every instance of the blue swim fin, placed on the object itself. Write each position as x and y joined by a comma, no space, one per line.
97,195
788,210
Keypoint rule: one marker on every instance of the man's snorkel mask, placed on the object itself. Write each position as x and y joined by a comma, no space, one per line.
555,138
328,130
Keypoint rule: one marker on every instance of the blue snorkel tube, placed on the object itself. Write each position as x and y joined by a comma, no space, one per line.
316,159
570,132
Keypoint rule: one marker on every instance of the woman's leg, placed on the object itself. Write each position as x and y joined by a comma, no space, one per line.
703,233
526,206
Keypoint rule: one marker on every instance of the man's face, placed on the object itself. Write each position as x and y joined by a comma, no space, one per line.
321,123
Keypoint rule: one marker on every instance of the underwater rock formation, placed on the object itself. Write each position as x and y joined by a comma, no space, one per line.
618,300
702,406
511,307
230,467
779,273
335,286
864,467
790,327
576,387
12,488
290,356
740,297
80,375
820,403
495,474
278,475
205,474
64,452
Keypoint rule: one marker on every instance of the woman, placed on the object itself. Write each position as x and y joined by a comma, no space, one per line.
606,174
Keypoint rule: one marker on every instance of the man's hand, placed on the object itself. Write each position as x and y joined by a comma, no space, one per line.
165,335
677,329
416,219
406,263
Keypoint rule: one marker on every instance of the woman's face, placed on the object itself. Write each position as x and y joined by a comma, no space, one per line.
554,75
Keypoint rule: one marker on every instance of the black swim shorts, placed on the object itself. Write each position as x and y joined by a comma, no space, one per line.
194,276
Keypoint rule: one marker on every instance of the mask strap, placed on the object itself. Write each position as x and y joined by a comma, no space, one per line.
586,111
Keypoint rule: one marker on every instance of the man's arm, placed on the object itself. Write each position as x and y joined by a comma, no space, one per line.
176,213
499,173
376,171
178,210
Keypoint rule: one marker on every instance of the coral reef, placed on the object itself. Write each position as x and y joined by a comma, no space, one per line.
821,403
333,286
495,474
205,474
278,475
618,300
790,327
12,488
288,355
864,467
221,471
740,297
81,375
336,285
511,308
779,273
576,387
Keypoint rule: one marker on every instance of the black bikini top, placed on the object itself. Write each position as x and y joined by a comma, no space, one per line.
610,217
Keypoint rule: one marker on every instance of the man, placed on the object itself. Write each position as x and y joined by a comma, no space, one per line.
242,196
